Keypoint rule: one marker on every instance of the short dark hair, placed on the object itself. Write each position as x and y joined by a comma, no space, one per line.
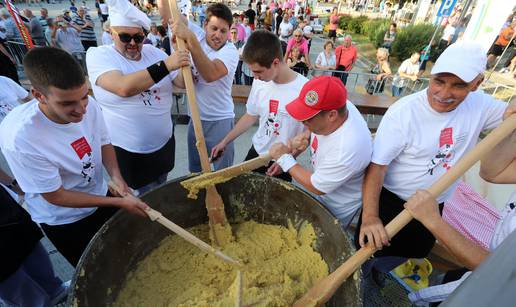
161,30
221,11
262,47
48,66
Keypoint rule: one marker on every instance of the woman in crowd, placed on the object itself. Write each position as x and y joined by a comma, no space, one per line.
153,35
390,36
382,70
334,22
164,43
326,59
297,61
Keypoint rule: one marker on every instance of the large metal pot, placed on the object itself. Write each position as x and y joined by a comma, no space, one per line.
125,239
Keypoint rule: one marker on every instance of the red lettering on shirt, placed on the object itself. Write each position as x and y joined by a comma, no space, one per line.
81,147
315,144
273,106
446,137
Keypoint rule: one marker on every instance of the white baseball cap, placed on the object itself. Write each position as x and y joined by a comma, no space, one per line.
465,59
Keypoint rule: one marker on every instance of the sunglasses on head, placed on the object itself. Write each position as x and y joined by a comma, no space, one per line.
126,38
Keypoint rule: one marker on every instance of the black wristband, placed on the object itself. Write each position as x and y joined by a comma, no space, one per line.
158,71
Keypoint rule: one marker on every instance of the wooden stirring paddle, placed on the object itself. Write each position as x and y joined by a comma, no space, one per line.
156,216
219,226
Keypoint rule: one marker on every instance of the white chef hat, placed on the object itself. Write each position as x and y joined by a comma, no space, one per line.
123,14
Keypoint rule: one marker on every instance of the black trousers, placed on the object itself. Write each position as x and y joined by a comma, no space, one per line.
262,170
138,170
72,239
413,241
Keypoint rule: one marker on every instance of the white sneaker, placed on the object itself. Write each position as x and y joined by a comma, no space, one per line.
63,295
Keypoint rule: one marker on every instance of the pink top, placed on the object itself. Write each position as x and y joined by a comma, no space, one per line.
334,22
240,32
272,5
286,5
302,46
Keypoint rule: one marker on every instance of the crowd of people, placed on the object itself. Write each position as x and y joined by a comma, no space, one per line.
58,140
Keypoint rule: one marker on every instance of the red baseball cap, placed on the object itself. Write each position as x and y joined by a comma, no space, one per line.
320,93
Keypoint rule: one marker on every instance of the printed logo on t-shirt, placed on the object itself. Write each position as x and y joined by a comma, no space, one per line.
445,153
313,149
5,109
273,124
83,151
150,96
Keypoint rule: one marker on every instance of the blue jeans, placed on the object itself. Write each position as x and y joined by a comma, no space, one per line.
34,283
396,91
214,132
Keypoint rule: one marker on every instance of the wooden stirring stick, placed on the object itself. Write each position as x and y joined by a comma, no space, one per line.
156,216
214,203
194,184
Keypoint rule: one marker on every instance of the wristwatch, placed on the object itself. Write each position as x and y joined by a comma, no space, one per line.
13,184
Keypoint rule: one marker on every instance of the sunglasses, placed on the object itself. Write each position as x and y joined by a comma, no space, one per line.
126,38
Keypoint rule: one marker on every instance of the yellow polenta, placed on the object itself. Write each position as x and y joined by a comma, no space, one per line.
280,266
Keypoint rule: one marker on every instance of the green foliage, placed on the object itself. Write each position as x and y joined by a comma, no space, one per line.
411,39
344,22
357,24
375,30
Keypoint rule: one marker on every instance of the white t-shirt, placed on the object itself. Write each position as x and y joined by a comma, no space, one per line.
214,98
507,223
10,95
408,68
419,144
339,161
141,123
449,31
267,100
248,31
104,9
153,38
284,29
44,156
106,38
323,60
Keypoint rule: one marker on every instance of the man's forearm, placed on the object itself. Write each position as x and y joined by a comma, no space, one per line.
208,69
109,161
75,199
372,186
126,85
465,251
303,176
498,160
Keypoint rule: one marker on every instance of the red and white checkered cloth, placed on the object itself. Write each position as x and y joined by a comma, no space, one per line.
471,215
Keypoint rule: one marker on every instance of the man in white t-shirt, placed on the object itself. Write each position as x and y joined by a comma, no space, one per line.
55,146
340,146
408,69
285,29
133,83
215,61
418,140
274,85
499,166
